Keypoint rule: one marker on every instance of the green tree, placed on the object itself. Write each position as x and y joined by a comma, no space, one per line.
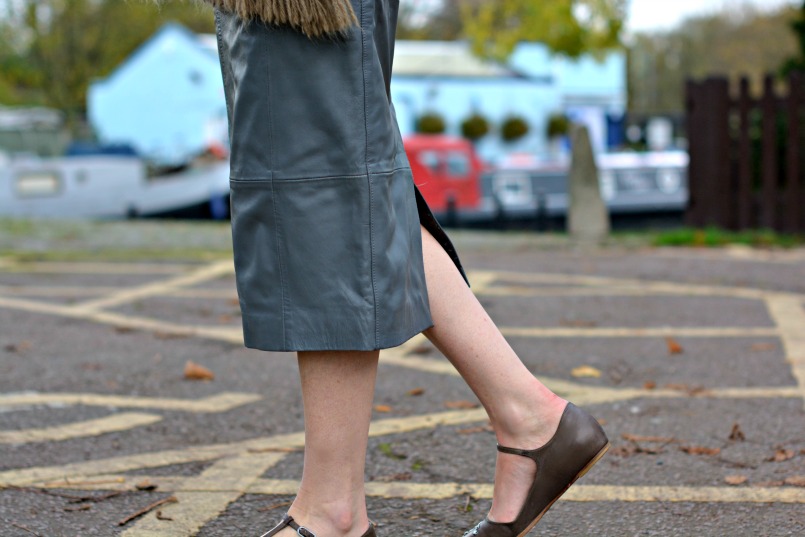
797,62
569,27
62,45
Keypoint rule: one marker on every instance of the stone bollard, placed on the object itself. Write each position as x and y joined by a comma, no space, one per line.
587,216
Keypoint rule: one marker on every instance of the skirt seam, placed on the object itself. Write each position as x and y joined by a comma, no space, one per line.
272,179
281,264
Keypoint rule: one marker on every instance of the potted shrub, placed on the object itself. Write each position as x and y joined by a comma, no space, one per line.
474,127
513,128
430,123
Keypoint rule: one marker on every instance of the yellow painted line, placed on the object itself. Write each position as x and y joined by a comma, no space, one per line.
662,331
209,272
233,335
70,291
578,493
79,429
480,280
221,402
443,491
197,505
55,290
523,291
647,286
95,268
125,463
789,314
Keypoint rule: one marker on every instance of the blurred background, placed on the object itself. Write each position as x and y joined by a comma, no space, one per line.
114,109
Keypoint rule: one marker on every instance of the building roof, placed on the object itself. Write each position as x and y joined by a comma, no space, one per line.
445,59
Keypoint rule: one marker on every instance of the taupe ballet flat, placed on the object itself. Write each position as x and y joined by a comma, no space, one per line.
578,444
288,522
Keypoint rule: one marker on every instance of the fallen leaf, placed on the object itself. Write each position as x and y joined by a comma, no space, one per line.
461,405
638,438
795,480
781,455
422,349
758,347
586,371
673,346
416,392
737,435
194,371
601,421
690,390
700,450
225,318
22,346
649,385
145,485
624,451
382,408
736,479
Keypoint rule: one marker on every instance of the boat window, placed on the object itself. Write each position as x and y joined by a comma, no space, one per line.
37,184
458,164
430,159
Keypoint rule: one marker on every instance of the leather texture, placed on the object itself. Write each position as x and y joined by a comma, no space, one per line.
578,441
288,522
325,213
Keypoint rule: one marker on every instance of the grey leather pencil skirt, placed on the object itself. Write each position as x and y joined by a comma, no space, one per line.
325,213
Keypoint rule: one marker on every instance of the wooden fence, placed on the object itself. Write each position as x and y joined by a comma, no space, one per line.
746,155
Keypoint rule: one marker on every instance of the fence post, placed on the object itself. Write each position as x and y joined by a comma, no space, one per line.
696,125
768,175
793,198
708,137
745,190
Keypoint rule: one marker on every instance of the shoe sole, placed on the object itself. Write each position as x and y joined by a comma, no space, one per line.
578,476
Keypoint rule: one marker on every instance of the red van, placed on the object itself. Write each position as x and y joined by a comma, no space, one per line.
447,172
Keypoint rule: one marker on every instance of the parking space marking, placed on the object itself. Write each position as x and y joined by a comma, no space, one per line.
78,267
789,314
659,331
446,490
221,402
579,492
197,504
79,429
205,273
237,466
125,463
648,287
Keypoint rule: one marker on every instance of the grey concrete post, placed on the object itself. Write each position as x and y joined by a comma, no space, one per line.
587,218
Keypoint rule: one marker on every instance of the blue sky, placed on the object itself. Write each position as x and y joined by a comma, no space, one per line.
665,14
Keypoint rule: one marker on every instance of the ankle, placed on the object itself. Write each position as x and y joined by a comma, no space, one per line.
529,422
331,518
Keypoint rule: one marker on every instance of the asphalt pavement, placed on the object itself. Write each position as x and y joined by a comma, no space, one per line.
693,360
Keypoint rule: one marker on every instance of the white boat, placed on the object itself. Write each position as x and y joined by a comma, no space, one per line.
109,186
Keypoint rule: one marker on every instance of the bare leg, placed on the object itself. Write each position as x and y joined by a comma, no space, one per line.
524,413
337,388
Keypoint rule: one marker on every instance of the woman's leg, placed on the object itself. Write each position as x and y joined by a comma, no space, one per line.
524,413
337,389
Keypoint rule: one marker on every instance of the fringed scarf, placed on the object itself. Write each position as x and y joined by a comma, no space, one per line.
314,18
